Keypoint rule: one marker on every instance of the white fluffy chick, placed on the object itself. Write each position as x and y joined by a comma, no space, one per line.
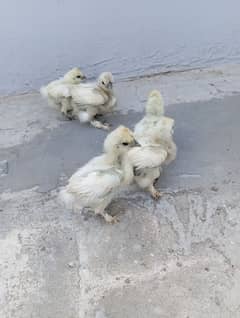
58,92
95,184
155,135
90,100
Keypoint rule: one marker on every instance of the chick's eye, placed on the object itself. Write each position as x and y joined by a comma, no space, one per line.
103,83
125,143
78,76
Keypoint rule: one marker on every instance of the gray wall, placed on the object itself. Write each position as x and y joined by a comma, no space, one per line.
42,39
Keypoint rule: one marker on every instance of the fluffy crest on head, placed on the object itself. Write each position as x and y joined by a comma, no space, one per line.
74,76
117,137
155,104
106,76
105,80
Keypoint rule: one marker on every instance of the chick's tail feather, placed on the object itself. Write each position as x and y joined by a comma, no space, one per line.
84,117
155,104
44,91
66,198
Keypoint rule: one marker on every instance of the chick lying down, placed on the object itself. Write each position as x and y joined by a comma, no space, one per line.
96,184
57,92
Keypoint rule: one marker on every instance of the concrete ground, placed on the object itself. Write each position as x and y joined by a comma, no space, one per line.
175,258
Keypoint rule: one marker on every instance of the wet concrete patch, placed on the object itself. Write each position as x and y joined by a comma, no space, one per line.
206,135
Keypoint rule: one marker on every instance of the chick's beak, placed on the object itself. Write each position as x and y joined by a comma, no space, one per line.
110,85
135,143
84,77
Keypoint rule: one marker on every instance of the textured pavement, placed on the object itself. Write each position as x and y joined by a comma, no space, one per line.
175,258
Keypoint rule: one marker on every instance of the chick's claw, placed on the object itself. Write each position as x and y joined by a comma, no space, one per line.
156,195
99,125
106,126
103,126
111,219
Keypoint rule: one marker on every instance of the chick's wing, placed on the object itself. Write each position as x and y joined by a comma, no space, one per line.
96,185
88,96
147,157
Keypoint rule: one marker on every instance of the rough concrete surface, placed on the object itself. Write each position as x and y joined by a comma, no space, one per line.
178,257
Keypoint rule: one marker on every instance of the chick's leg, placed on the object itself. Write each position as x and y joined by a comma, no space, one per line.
154,192
66,109
107,217
157,176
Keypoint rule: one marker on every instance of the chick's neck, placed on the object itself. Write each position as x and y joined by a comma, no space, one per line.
115,158
104,90
121,161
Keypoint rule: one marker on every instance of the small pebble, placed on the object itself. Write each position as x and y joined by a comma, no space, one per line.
203,219
71,264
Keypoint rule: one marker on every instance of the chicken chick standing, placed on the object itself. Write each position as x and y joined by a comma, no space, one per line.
95,184
155,135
